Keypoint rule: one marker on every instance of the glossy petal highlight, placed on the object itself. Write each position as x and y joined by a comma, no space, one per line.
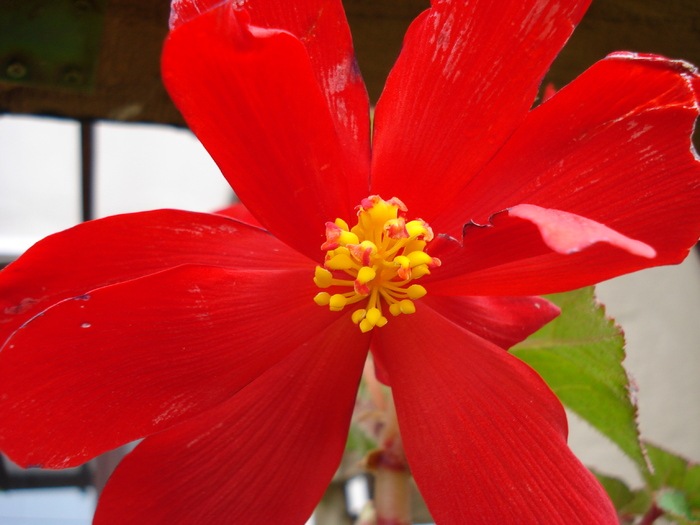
568,233
323,29
251,97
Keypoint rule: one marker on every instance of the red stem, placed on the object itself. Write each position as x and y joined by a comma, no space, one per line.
651,515
392,497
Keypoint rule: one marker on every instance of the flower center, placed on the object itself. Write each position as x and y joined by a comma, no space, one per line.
381,254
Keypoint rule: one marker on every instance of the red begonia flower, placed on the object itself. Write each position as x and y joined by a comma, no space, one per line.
200,332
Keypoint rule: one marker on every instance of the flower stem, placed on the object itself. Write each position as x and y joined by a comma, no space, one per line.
651,515
392,496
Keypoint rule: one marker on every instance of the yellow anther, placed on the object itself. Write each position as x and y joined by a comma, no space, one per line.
419,228
419,271
416,291
368,322
358,315
378,258
414,245
340,262
322,298
373,315
417,258
337,302
363,252
380,211
348,238
407,307
366,274
402,261
404,264
396,229
365,326
323,277
361,288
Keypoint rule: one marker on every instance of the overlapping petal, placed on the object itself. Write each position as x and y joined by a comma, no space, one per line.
503,321
322,27
530,250
467,75
240,213
128,360
252,98
613,146
124,247
485,437
242,462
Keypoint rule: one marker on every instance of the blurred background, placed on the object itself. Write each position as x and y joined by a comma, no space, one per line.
87,130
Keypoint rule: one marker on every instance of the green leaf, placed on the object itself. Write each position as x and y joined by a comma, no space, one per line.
359,442
628,503
620,494
363,433
677,481
673,502
579,355
641,501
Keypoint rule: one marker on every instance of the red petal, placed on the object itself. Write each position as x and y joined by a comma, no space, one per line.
503,321
251,97
529,250
484,436
613,146
568,233
240,213
323,29
123,247
127,360
467,75
265,456
182,11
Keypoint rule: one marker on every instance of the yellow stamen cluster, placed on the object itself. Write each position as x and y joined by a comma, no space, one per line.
381,254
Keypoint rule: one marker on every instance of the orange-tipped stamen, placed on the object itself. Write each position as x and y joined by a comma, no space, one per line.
382,254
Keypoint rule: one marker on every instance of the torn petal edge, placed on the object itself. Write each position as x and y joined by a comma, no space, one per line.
182,11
